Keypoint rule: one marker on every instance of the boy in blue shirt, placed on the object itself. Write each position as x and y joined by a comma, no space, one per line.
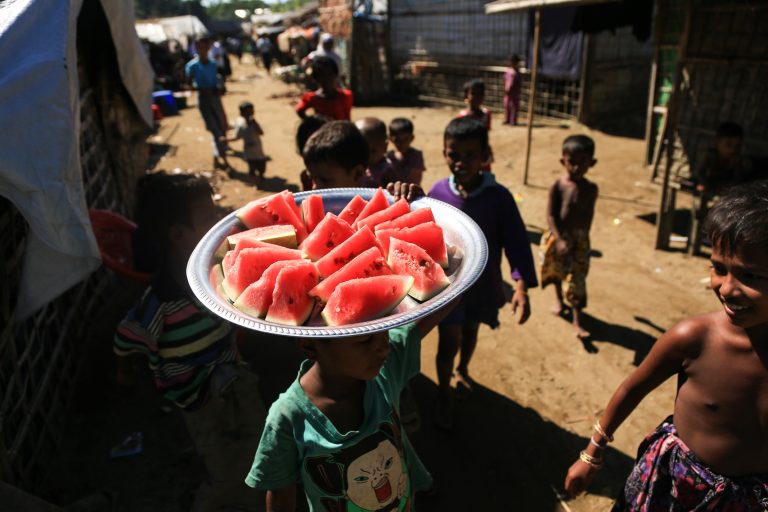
337,429
203,74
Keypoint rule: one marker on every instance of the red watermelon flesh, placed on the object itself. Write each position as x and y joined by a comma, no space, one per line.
377,203
290,201
271,210
409,220
328,234
393,211
279,234
353,209
367,264
291,303
312,211
250,264
360,300
346,251
409,259
257,297
244,243
428,236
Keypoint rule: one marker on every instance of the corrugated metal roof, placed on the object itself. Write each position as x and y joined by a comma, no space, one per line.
517,5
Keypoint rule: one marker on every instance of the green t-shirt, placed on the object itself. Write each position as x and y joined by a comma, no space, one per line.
370,469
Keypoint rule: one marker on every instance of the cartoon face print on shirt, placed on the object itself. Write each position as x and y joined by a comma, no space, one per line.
370,476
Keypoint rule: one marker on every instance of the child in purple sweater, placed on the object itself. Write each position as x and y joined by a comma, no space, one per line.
492,207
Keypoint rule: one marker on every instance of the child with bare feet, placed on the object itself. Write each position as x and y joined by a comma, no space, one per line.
565,247
713,453
490,204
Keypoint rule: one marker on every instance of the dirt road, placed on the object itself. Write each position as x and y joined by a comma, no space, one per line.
539,387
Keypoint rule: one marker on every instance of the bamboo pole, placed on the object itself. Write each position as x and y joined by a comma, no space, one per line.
532,95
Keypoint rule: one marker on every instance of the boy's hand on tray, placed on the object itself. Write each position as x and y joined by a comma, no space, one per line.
408,191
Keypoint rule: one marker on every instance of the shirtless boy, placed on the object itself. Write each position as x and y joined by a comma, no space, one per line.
714,454
565,247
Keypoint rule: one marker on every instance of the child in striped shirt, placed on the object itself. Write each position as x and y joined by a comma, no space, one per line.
192,352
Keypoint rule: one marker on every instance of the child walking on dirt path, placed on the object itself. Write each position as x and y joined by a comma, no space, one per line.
337,429
476,193
203,74
407,161
379,170
712,454
329,100
191,351
565,247
248,129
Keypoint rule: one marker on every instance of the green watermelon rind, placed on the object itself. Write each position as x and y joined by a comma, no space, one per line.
283,235
406,281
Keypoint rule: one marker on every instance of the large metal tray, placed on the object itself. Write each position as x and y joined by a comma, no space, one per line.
467,249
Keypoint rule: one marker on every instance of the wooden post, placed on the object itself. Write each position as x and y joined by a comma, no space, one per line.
532,95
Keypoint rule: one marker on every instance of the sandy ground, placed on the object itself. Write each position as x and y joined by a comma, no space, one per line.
539,387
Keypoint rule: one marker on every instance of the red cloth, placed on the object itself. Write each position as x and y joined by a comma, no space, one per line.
340,107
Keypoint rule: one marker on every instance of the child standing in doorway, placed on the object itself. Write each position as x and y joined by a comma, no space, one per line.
476,193
713,453
248,129
565,247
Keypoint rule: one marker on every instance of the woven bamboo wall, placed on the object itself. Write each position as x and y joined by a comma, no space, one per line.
40,357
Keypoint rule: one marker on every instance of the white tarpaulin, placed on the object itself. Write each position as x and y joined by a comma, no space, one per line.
179,28
40,169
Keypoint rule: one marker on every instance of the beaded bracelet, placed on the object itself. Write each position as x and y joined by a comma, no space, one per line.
599,429
594,462
596,444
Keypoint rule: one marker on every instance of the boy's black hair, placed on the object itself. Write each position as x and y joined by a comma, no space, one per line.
246,105
401,125
324,63
474,84
163,200
466,128
515,57
338,142
308,126
739,219
578,144
729,130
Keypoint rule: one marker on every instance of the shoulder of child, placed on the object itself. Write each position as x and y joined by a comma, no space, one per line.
689,335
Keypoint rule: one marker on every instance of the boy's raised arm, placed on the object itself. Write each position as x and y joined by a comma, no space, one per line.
665,359
282,500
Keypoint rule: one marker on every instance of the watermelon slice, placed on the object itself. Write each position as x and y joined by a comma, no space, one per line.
327,235
377,203
393,211
409,259
279,234
245,243
367,264
353,209
290,201
312,211
428,236
216,277
409,220
275,209
257,297
346,251
291,304
250,264
360,300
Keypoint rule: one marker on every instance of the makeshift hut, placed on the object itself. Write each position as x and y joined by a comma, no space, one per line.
361,32
183,29
593,68
710,66
77,110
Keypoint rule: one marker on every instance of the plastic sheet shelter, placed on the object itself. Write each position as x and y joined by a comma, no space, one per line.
40,169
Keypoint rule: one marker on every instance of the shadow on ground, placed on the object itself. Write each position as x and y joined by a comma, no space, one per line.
501,456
